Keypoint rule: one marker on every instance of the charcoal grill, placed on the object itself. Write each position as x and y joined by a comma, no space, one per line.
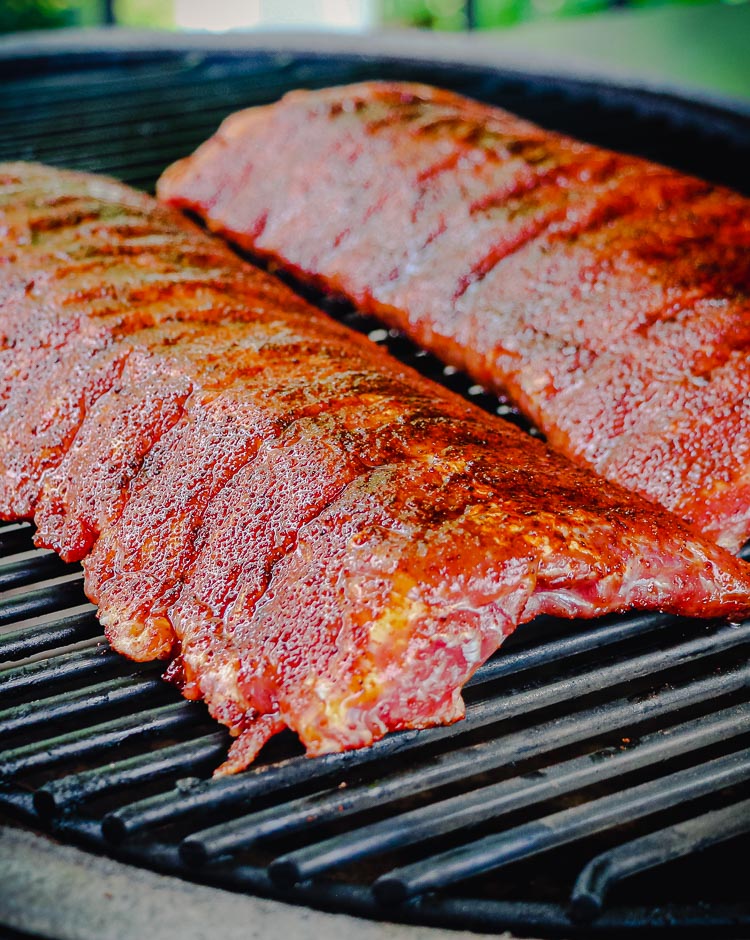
600,783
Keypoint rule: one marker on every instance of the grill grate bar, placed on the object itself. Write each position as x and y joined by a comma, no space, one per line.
123,158
98,82
184,127
96,739
64,630
562,828
121,102
44,600
53,671
239,793
310,811
143,81
471,809
18,572
112,693
150,106
200,753
232,793
622,672
14,539
609,634
602,873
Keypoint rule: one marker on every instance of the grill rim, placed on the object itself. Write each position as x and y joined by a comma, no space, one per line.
162,857
45,51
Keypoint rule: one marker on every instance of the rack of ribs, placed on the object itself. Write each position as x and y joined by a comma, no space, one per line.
311,534
606,296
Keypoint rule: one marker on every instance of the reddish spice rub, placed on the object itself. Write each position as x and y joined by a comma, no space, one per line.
312,535
608,297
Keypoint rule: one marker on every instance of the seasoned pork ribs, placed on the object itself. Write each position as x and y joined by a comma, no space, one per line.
314,536
608,297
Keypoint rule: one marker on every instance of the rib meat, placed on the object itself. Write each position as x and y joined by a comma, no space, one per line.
608,297
313,536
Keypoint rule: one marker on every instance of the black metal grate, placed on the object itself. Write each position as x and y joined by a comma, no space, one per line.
592,753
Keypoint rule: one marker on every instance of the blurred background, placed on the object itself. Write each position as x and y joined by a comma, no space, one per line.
697,44
331,14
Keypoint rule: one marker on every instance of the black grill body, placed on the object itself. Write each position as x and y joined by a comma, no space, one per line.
600,783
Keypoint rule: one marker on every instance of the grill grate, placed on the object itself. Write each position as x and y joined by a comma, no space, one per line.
591,752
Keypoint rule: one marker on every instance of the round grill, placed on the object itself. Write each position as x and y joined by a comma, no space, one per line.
601,780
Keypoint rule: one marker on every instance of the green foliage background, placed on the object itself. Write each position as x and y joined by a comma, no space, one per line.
493,14
17,15
427,14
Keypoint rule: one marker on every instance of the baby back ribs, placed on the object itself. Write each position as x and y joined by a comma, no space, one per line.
313,535
608,297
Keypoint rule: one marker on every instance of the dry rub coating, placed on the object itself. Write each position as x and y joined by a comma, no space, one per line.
311,534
